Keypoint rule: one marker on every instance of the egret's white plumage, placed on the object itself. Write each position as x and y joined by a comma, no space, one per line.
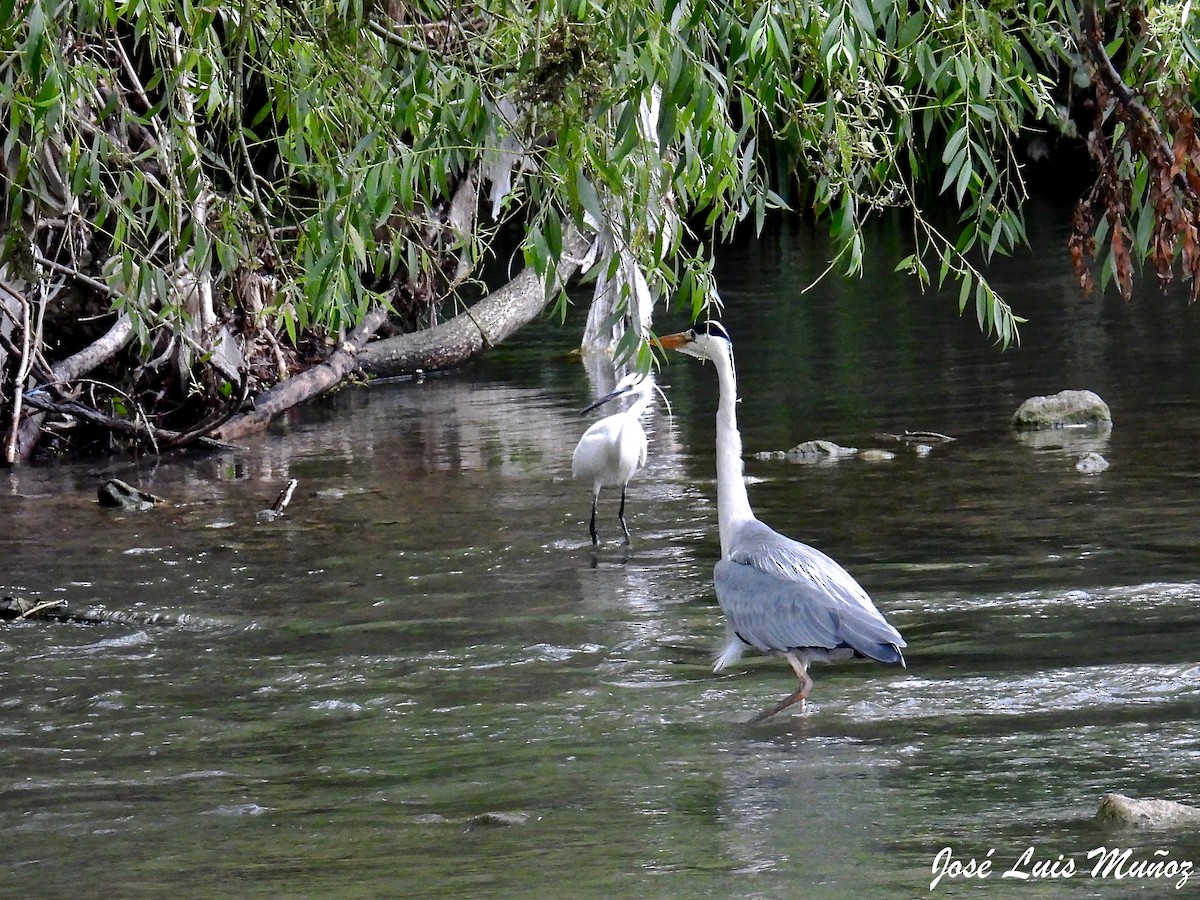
613,449
778,595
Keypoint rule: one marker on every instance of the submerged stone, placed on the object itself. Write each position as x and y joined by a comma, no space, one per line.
1091,464
816,450
1117,809
499,819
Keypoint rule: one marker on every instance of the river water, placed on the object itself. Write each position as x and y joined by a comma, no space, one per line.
423,680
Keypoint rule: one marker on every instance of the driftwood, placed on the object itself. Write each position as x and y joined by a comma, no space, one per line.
915,437
280,504
450,343
161,439
477,329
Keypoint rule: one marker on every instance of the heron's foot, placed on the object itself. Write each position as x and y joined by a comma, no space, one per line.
795,697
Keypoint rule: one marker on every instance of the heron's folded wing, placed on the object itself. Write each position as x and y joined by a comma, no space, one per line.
795,593
772,613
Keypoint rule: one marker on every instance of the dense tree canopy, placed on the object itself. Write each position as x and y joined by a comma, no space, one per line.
201,198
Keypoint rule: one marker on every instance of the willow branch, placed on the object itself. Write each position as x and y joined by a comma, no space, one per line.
1131,104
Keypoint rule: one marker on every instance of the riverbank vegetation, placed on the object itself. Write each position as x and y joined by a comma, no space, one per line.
213,211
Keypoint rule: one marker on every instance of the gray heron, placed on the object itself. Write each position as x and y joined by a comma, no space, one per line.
778,595
614,448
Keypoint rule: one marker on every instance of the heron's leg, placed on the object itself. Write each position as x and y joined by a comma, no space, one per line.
797,696
592,526
621,515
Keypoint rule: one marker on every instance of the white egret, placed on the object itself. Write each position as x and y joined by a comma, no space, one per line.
778,595
613,449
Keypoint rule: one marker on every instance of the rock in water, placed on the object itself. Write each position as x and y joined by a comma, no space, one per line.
118,493
1091,464
502,819
815,450
1063,410
1117,809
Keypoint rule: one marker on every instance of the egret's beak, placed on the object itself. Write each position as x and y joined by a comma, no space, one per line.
610,396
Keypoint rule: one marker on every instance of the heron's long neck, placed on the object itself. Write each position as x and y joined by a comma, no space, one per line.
733,505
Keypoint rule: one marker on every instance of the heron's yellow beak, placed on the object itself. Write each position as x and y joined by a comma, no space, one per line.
674,341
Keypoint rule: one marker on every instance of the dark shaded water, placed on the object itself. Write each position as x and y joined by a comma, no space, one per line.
427,636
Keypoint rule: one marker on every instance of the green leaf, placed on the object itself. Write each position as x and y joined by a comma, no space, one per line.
553,234
910,30
357,245
964,180
954,144
588,197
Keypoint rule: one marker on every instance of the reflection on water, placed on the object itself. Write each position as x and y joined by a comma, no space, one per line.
428,635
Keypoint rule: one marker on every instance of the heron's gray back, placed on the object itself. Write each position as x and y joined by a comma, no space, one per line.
779,594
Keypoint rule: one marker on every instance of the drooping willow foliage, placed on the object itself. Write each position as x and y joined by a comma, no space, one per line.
240,180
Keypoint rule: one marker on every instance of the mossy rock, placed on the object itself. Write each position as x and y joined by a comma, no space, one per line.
1065,409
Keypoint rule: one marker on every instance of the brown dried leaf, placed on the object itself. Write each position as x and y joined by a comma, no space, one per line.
1122,263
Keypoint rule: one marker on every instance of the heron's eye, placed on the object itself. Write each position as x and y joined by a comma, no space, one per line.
691,335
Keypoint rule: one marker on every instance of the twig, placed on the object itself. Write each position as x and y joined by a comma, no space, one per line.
40,370
284,498
87,413
45,604
398,40
77,275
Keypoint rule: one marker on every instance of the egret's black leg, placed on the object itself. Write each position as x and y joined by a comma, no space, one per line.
621,515
592,526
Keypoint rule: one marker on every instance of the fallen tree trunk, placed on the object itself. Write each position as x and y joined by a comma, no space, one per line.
473,331
448,344
307,385
451,343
